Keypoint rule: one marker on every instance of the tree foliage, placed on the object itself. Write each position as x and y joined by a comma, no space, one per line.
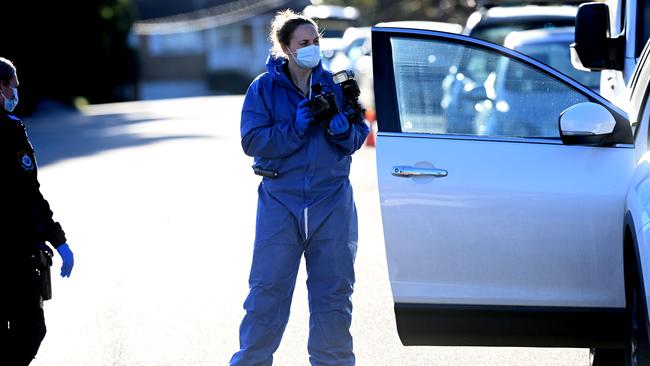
76,48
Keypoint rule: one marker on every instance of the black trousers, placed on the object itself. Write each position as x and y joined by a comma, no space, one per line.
22,322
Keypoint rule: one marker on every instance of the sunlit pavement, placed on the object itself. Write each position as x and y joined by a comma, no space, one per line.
158,201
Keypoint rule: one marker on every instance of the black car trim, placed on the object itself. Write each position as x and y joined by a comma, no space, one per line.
385,100
385,87
509,326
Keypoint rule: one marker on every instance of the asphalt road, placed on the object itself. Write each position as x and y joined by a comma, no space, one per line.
158,201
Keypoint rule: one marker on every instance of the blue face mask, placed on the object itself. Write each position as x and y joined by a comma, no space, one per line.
308,57
10,104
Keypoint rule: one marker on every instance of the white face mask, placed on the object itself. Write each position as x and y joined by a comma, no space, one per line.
10,104
308,57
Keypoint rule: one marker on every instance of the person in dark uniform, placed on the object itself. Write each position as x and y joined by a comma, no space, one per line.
25,225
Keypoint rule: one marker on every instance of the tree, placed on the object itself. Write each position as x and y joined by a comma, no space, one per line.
77,48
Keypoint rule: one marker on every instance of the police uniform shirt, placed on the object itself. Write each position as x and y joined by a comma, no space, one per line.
25,216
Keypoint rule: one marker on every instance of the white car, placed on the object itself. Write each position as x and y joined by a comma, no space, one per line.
513,240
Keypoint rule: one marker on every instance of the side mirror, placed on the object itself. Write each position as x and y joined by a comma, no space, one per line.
594,49
586,124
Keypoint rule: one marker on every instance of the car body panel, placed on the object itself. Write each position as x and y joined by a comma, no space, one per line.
513,223
638,197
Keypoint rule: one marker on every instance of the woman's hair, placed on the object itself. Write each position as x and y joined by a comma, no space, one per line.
283,25
7,70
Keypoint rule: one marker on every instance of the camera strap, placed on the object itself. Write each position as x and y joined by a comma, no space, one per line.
310,84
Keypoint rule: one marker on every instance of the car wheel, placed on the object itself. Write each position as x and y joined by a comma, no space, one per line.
637,349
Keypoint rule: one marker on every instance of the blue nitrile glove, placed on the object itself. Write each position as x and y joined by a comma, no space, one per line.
352,114
339,124
68,259
303,116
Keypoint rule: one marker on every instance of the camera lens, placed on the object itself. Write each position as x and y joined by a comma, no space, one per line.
318,105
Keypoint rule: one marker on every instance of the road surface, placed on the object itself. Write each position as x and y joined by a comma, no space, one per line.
158,201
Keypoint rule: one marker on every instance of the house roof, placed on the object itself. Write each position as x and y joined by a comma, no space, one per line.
201,16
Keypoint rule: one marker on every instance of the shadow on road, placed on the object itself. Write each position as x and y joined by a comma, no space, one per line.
62,134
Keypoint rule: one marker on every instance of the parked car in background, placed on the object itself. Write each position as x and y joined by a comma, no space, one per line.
510,239
552,47
333,21
329,47
466,76
493,23
355,56
505,111
358,56
355,44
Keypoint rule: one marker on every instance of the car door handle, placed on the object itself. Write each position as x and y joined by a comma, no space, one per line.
411,171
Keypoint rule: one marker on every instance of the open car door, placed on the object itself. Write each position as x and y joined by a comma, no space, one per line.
499,229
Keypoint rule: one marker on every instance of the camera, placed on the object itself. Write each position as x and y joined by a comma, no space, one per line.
345,79
323,107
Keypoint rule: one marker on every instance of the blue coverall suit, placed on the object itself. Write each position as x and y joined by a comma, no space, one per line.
308,208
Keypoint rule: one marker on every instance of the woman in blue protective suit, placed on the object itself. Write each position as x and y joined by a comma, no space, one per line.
305,204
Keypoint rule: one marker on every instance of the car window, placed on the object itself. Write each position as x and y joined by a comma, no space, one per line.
516,100
558,56
497,33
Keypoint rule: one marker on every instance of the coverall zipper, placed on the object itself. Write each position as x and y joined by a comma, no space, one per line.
306,213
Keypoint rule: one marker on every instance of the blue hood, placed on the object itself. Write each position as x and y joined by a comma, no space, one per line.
275,68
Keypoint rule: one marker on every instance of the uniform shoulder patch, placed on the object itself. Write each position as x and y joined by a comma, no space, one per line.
26,161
